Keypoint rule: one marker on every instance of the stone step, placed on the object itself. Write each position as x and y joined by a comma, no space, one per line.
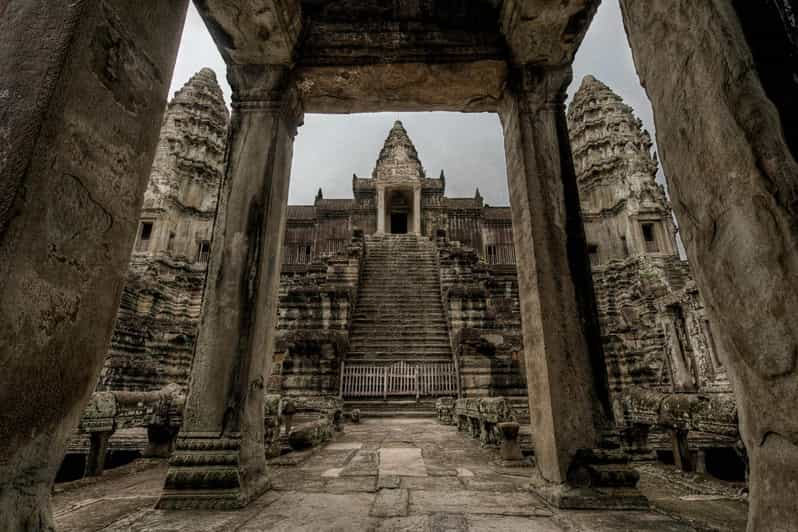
398,355
391,407
398,345
399,332
370,319
386,331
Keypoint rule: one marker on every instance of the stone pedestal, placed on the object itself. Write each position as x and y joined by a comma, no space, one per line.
566,379
83,87
598,479
219,460
510,449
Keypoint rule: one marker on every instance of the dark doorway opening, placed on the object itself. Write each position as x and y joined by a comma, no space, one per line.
399,223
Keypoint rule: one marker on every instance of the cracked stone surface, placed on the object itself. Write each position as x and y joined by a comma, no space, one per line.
461,491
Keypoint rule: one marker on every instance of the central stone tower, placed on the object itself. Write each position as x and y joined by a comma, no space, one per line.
398,179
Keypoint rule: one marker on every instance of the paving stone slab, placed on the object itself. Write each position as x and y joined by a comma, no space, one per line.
477,502
402,462
314,512
363,463
351,485
443,522
480,484
335,472
631,521
432,483
500,523
388,481
411,523
343,446
390,503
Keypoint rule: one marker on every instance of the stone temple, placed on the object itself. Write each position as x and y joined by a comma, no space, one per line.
401,297
211,358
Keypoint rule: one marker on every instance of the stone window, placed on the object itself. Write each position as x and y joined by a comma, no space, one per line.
592,251
649,238
204,252
307,254
145,235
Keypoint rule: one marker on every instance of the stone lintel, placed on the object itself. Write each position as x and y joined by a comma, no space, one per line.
470,87
547,34
350,43
259,31
266,88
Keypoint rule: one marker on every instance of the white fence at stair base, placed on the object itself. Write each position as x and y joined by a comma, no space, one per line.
402,378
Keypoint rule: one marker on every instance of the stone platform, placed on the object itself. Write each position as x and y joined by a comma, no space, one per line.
400,475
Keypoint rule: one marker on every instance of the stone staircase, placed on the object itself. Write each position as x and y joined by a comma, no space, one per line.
398,316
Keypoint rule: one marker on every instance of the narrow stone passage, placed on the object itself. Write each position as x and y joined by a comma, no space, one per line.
393,474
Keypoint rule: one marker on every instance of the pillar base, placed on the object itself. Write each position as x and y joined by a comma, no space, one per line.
598,479
205,473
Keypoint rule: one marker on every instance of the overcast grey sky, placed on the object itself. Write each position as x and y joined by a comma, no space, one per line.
468,147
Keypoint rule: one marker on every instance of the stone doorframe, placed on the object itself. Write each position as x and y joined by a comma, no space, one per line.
80,136
384,192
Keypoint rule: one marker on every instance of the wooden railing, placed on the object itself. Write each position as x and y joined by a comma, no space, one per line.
402,378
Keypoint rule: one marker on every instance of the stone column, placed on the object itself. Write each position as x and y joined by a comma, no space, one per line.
565,381
98,448
417,210
380,210
83,87
219,460
732,180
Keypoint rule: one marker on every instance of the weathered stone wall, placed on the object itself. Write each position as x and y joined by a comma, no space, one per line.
482,311
314,317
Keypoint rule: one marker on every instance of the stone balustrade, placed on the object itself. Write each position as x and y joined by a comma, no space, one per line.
678,413
160,412
480,417
308,421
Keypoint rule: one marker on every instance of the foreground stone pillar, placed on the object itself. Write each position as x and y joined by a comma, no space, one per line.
734,186
83,86
566,406
219,460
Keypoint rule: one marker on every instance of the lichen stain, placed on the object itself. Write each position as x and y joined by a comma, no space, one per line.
122,66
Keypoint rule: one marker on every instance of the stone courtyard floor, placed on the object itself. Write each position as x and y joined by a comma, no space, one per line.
395,475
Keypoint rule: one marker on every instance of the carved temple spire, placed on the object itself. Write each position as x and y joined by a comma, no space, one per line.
398,157
610,146
192,142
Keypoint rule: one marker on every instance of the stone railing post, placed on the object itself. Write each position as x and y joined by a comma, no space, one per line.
566,380
219,461
98,448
